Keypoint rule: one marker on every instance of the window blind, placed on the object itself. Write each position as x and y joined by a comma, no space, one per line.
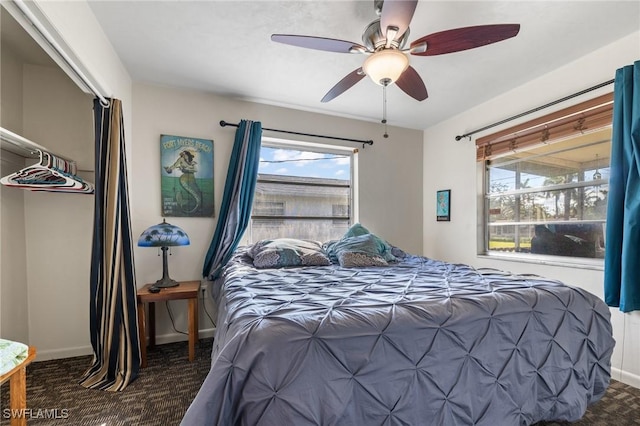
580,118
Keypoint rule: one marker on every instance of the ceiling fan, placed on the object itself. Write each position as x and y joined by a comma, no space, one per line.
384,41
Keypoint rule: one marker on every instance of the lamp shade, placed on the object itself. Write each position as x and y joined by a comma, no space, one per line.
385,66
163,235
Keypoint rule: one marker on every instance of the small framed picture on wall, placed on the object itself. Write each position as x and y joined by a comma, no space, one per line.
443,205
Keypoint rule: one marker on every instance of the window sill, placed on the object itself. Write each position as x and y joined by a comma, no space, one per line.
568,262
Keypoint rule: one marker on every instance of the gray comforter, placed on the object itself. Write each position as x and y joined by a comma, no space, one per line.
422,342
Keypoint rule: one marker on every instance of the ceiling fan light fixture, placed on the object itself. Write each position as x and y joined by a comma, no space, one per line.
384,40
385,66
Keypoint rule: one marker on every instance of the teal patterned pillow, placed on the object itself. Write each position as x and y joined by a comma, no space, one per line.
287,252
358,239
362,250
354,259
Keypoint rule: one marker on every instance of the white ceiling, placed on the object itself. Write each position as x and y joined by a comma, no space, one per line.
224,47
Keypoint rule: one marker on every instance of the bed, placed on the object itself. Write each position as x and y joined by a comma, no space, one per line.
417,342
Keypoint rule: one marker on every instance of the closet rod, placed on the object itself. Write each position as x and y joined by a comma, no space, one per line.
363,142
25,144
59,50
522,114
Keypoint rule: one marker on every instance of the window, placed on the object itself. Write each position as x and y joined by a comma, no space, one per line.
548,195
303,191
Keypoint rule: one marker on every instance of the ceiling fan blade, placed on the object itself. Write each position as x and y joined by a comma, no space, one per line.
397,13
343,85
462,39
319,43
411,83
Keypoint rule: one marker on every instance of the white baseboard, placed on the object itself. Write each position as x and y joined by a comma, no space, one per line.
179,337
625,377
47,355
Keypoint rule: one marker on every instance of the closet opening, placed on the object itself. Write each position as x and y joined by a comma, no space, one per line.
45,253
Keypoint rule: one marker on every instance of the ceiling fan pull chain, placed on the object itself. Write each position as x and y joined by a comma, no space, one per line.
384,110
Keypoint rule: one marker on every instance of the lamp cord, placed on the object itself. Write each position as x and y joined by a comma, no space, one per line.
173,324
204,306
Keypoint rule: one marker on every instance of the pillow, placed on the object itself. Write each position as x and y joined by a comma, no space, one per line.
382,248
353,259
355,231
283,252
397,252
363,250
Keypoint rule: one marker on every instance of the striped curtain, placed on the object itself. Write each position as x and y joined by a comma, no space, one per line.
237,199
113,316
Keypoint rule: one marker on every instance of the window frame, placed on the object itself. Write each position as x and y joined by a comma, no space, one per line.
307,146
586,117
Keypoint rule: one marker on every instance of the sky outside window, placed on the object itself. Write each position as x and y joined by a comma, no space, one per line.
291,162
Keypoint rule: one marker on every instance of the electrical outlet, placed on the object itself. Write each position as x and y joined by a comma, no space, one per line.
204,290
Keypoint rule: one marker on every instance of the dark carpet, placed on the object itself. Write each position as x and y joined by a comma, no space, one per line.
163,391
159,396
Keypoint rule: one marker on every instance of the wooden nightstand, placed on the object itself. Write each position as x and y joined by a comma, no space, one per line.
186,290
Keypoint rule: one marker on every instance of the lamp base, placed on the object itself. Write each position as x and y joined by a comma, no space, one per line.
166,282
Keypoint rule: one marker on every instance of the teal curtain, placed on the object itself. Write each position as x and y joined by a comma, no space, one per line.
237,200
622,253
113,319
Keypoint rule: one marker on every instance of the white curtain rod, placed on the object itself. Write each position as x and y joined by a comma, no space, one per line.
20,4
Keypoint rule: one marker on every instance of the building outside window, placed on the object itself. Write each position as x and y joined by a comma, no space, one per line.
548,196
303,191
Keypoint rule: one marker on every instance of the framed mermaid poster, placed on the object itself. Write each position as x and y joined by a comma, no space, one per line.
187,176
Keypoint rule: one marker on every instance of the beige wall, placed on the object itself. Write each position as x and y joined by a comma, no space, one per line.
58,226
389,176
46,237
10,89
14,306
451,165
13,274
